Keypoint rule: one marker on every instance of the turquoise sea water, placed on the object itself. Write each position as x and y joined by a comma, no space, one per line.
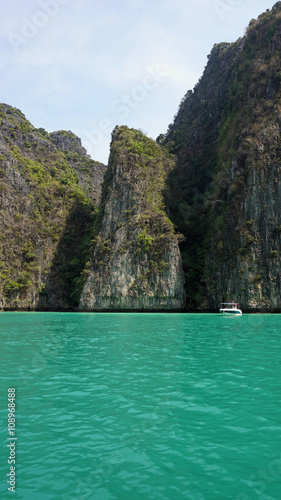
142,406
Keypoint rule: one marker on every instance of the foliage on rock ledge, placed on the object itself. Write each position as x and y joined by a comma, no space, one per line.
46,218
140,162
135,239
225,134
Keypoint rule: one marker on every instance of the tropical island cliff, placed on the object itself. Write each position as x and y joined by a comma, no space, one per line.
181,223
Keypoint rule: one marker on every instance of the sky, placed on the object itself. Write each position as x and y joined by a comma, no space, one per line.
89,65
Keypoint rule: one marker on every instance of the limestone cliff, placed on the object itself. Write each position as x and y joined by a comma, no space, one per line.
46,217
136,263
227,139
214,178
90,173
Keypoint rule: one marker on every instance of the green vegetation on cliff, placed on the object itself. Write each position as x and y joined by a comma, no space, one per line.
214,177
46,218
226,137
136,261
146,168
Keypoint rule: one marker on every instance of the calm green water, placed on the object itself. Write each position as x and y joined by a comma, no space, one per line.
142,406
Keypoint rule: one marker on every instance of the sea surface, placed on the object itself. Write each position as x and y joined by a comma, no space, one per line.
141,406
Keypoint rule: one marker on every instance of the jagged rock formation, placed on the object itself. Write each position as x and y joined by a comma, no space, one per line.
90,173
226,137
45,217
136,263
216,173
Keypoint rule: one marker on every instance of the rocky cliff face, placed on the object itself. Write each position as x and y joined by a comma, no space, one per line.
136,263
226,137
216,174
90,173
45,216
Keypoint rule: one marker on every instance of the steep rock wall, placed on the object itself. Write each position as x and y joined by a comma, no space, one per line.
136,263
90,173
245,258
45,216
226,137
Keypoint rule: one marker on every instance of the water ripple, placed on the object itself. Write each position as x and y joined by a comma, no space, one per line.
140,406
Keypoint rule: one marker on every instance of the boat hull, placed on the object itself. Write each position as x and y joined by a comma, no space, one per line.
233,312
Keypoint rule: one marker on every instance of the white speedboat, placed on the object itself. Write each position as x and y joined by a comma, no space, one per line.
230,308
